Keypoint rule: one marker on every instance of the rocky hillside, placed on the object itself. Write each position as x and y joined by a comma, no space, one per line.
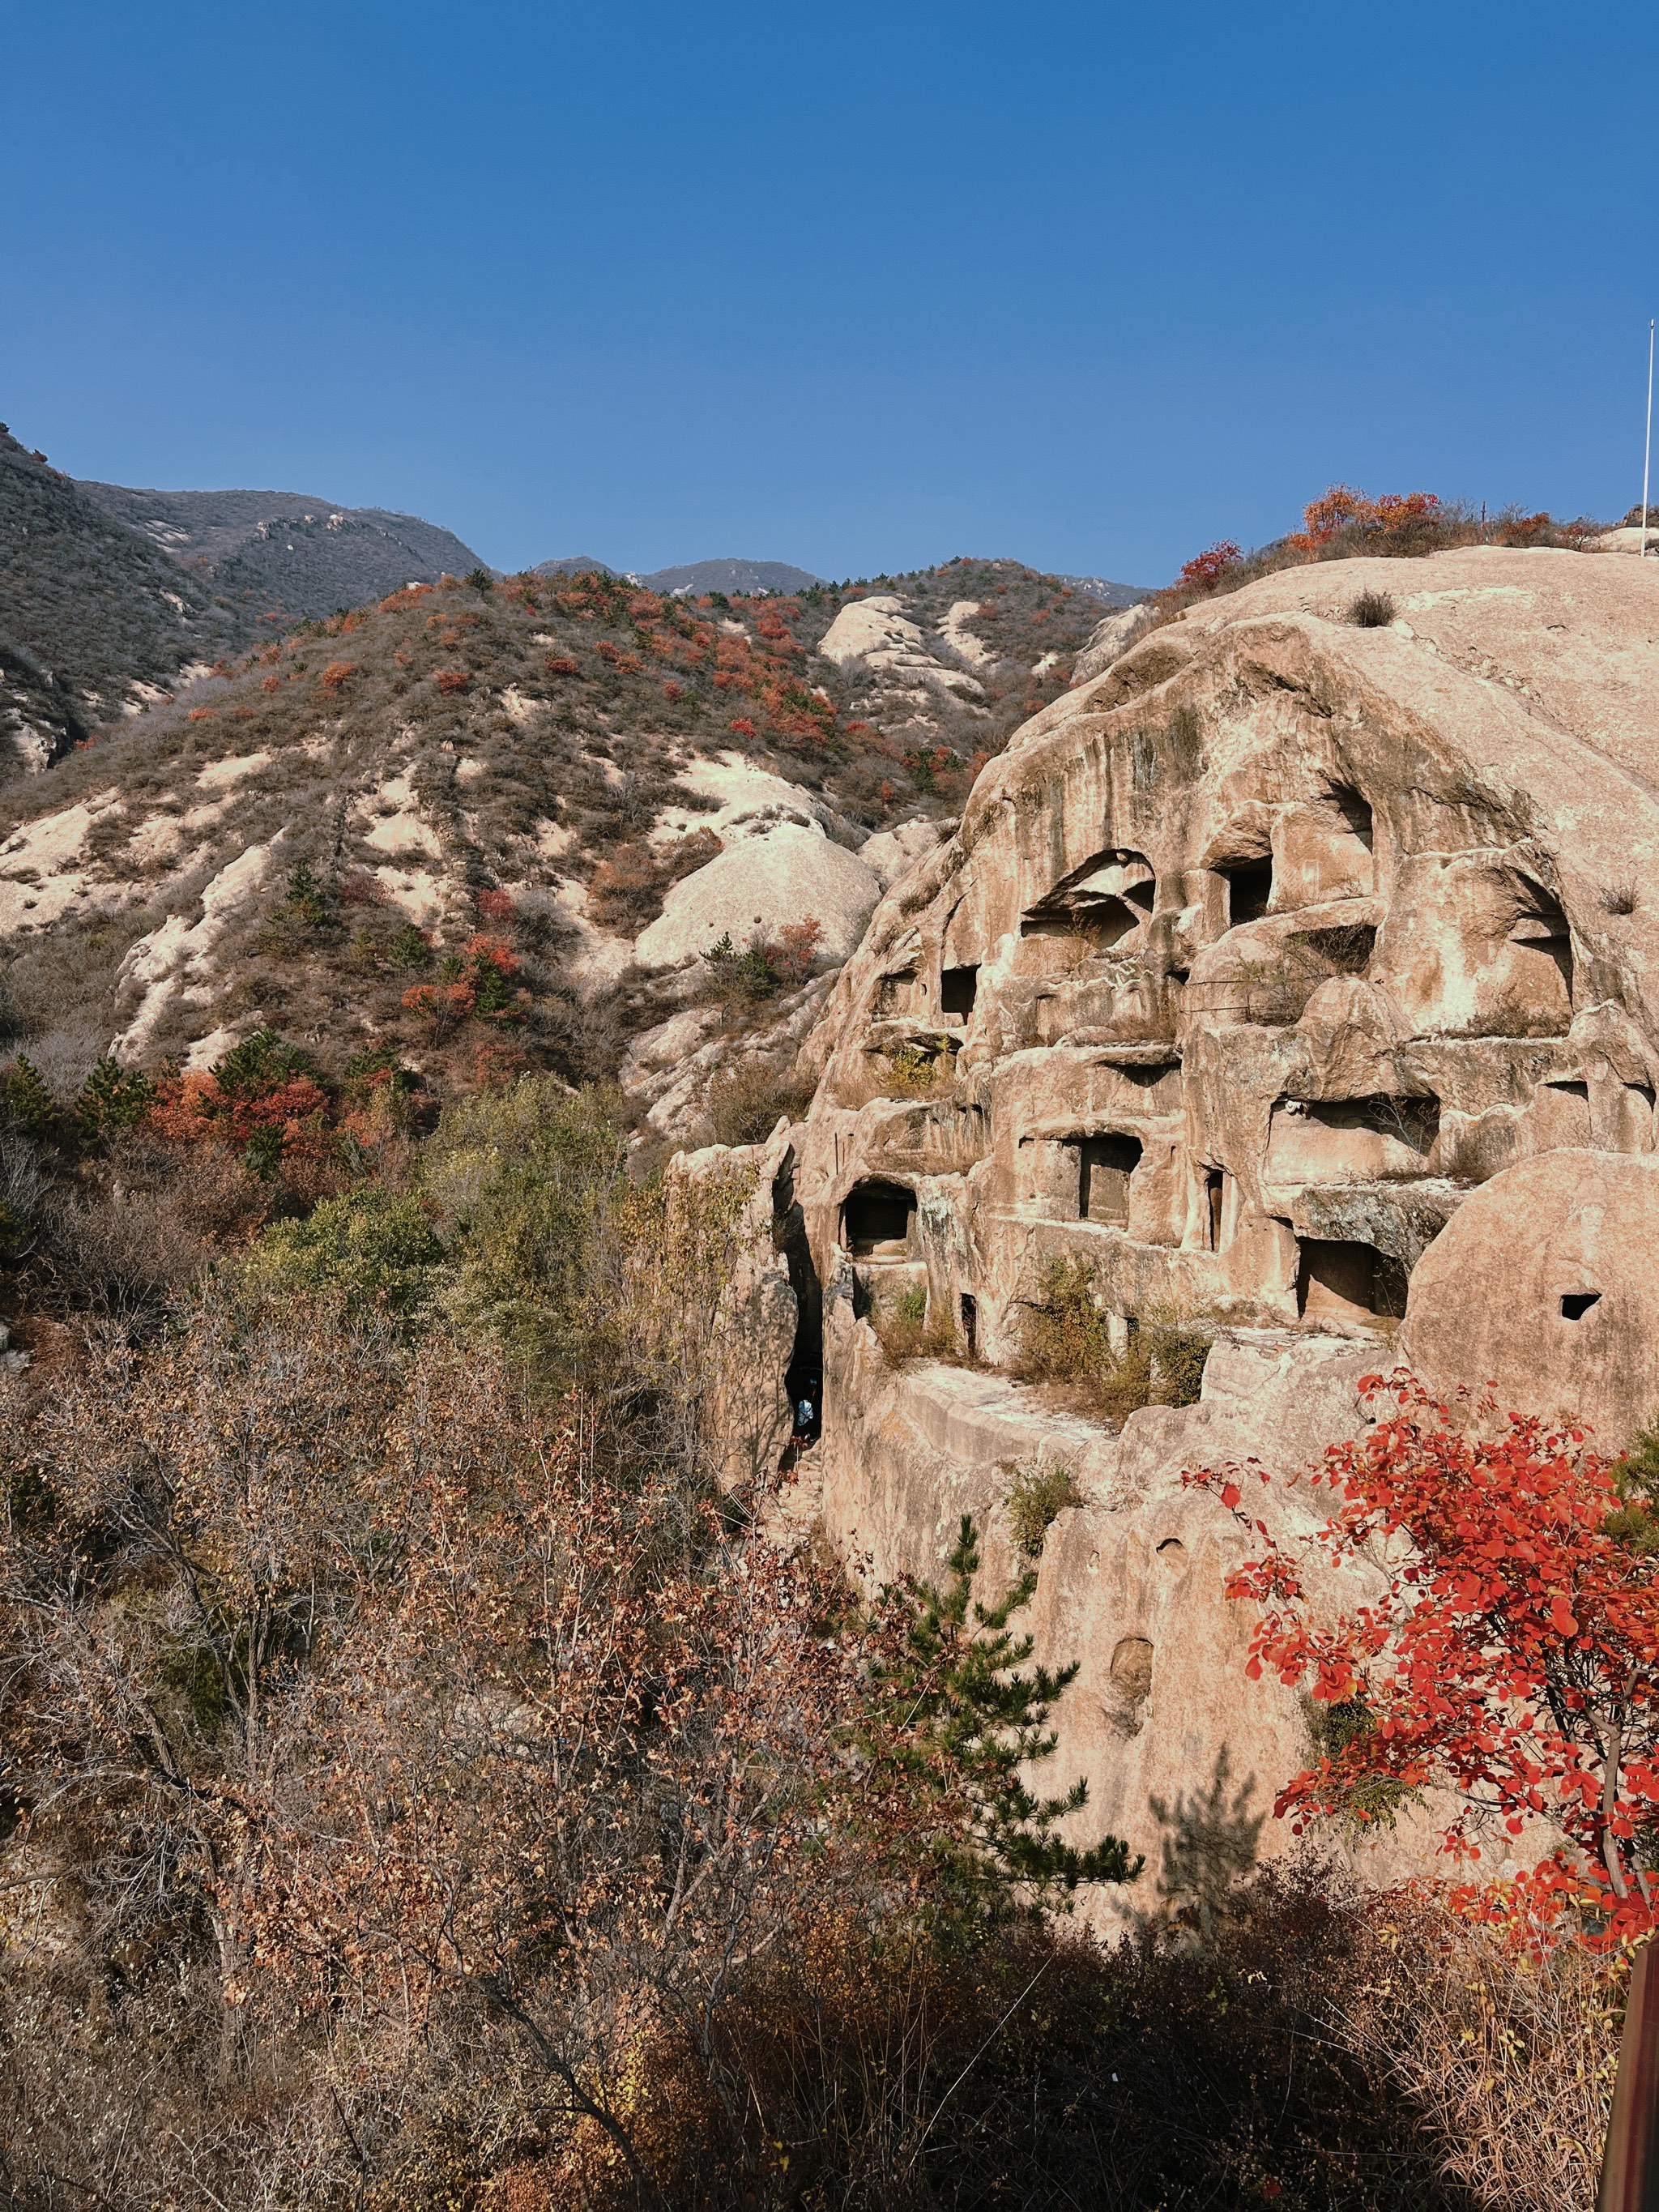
537,819
109,598
282,557
95,619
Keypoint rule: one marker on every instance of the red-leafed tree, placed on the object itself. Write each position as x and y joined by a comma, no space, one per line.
1511,1654
1206,569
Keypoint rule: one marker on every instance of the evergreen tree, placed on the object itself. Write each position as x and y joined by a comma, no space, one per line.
29,1107
113,1098
958,1713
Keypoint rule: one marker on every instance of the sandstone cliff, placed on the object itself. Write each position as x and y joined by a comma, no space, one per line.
1297,974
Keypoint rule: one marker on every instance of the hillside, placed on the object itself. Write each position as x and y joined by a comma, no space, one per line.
94,617
287,553
306,840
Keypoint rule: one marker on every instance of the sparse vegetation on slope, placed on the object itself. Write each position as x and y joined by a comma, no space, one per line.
89,610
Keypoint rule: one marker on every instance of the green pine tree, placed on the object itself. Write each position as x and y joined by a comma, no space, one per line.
113,1098
959,1712
28,1106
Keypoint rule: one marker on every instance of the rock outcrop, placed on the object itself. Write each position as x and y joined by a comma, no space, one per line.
1299,979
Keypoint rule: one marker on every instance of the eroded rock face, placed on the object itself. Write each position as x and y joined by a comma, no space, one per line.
1300,977
1261,952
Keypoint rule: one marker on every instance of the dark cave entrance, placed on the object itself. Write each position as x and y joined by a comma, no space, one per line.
803,1378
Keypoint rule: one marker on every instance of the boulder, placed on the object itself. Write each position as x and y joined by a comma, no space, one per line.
782,873
1544,1285
891,853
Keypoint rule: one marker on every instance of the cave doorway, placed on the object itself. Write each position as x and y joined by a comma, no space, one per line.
1340,1280
958,989
1104,1166
1250,889
876,1218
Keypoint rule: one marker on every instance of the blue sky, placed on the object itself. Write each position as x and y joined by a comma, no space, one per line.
858,286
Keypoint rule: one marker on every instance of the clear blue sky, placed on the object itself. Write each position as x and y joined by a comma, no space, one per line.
861,286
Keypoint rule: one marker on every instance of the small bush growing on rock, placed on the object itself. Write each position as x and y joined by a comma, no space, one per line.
1371,611
913,1071
1037,1496
744,1103
1065,1338
906,1332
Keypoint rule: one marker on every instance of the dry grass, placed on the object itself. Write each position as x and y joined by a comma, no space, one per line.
1065,1341
1510,2061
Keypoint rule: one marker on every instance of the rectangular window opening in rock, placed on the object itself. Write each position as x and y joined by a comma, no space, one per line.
1250,889
1338,1280
958,987
970,1310
876,1219
1105,1164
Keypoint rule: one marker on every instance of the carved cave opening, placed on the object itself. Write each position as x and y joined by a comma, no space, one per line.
1340,1281
1540,969
1356,813
958,989
1105,1164
1104,902
803,1378
876,1218
1250,889
1215,1205
896,993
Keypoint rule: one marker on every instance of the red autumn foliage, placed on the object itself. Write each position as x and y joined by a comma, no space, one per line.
337,673
1206,569
443,1005
741,725
271,683
559,664
1341,508
1511,1657
356,887
453,679
495,906
193,1108
797,949
202,713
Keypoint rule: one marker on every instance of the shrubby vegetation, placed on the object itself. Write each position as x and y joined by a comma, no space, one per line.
1343,524
1067,1340
423,1785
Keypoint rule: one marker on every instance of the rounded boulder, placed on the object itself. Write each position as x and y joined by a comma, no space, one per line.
781,874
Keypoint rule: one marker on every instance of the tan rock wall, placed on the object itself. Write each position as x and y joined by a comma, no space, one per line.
1297,977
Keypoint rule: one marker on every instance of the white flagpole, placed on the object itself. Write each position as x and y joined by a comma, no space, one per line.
1647,455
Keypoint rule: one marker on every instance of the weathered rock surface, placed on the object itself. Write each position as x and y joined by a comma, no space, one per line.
891,853
780,873
1300,978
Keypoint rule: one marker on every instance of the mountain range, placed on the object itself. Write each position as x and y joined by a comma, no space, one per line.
111,598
